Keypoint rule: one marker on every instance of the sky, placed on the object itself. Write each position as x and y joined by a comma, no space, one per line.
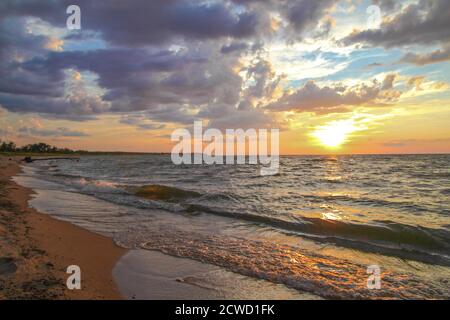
335,77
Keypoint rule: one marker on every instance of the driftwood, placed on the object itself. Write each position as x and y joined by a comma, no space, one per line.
28,159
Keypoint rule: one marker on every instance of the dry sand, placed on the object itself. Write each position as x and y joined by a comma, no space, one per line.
35,250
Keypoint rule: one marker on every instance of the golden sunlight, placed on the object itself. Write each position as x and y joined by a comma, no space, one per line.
334,133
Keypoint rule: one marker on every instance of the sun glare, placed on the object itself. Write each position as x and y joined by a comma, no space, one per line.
335,133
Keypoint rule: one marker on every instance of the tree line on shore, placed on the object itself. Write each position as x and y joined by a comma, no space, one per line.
9,146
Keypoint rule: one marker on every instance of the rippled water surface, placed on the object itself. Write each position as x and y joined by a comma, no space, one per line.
315,226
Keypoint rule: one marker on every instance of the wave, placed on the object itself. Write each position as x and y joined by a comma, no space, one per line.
65,175
161,192
82,184
299,269
337,179
386,237
303,270
323,159
432,175
93,186
402,205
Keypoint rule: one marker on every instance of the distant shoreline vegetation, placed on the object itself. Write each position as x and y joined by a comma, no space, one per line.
9,147
41,148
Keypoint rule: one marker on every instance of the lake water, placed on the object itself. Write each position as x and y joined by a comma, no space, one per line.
315,226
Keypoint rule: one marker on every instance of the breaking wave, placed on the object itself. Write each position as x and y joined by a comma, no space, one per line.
299,269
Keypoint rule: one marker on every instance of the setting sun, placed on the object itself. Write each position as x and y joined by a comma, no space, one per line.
335,133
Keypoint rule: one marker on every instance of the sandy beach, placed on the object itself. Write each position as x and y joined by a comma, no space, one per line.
35,250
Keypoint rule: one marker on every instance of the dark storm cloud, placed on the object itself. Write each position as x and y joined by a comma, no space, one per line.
53,11
245,119
115,67
14,34
173,113
27,91
264,78
426,22
167,83
301,15
131,78
234,47
143,22
15,42
74,107
155,22
21,82
305,14
177,60
246,2
387,5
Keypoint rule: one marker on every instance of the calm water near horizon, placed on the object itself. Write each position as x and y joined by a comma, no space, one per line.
315,226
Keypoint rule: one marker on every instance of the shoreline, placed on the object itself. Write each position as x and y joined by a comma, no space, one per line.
153,275
37,245
36,249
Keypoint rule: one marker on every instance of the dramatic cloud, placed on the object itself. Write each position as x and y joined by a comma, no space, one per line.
416,82
125,72
426,22
141,122
233,47
227,117
306,13
132,79
387,5
143,22
336,98
264,80
388,82
440,55
228,62
73,108
174,59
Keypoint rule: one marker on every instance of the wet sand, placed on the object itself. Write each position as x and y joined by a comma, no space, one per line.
35,250
148,274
